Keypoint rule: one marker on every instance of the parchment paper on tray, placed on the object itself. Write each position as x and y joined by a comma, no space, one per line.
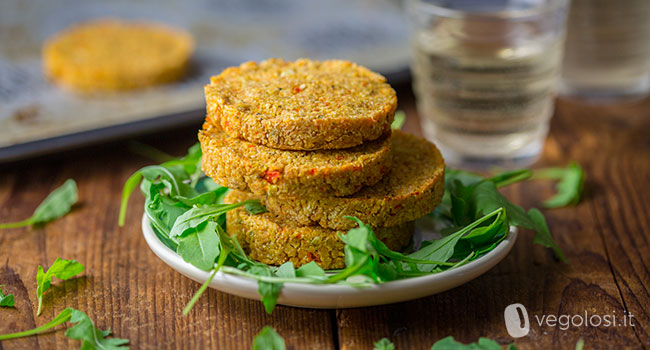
370,32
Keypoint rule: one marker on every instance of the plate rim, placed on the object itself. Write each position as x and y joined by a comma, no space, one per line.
243,286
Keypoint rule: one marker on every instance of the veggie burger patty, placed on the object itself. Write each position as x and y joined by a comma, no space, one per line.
246,166
110,54
301,105
412,189
273,240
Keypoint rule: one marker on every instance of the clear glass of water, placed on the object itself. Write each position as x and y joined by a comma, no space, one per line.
484,74
607,49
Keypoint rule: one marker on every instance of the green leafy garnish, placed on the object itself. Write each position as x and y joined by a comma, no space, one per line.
483,344
61,269
54,206
62,317
270,291
383,344
268,339
201,246
399,120
6,300
468,197
187,213
198,215
569,188
92,337
580,345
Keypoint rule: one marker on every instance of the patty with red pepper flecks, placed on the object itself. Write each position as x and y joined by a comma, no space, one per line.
301,105
274,240
412,189
249,167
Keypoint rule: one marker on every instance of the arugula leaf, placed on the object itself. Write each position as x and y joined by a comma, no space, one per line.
510,177
198,215
286,270
543,236
200,247
226,248
55,205
268,339
6,300
383,344
449,343
255,207
61,269
161,211
363,238
92,337
443,249
580,344
62,317
210,197
570,185
198,293
486,198
172,177
191,162
130,185
270,291
310,269
399,120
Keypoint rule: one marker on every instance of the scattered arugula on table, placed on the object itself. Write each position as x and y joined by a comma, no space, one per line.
383,344
449,343
6,300
61,269
85,330
92,337
187,213
399,120
569,187
54,206
268,339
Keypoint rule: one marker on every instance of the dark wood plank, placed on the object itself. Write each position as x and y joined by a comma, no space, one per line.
620,164
125,286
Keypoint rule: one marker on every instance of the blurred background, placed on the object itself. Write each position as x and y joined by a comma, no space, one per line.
607,57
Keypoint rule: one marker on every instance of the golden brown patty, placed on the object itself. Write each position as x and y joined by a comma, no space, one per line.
301,105
109,54
272,240
246,166
413,188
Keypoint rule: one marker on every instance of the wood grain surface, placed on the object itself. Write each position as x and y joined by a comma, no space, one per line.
127,288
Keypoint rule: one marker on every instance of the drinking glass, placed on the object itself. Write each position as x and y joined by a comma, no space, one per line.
607,49
484,74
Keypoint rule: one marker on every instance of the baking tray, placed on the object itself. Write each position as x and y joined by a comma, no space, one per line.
37,117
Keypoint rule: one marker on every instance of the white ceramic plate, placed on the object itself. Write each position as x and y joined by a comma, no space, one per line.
336,296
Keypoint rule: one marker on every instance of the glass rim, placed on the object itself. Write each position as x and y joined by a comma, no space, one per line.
442,11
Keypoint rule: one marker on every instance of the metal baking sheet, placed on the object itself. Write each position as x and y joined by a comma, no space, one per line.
37,117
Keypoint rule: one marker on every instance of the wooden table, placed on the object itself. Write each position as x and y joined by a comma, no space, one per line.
127,288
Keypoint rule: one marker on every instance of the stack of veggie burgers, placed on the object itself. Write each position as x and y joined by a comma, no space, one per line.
313,142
